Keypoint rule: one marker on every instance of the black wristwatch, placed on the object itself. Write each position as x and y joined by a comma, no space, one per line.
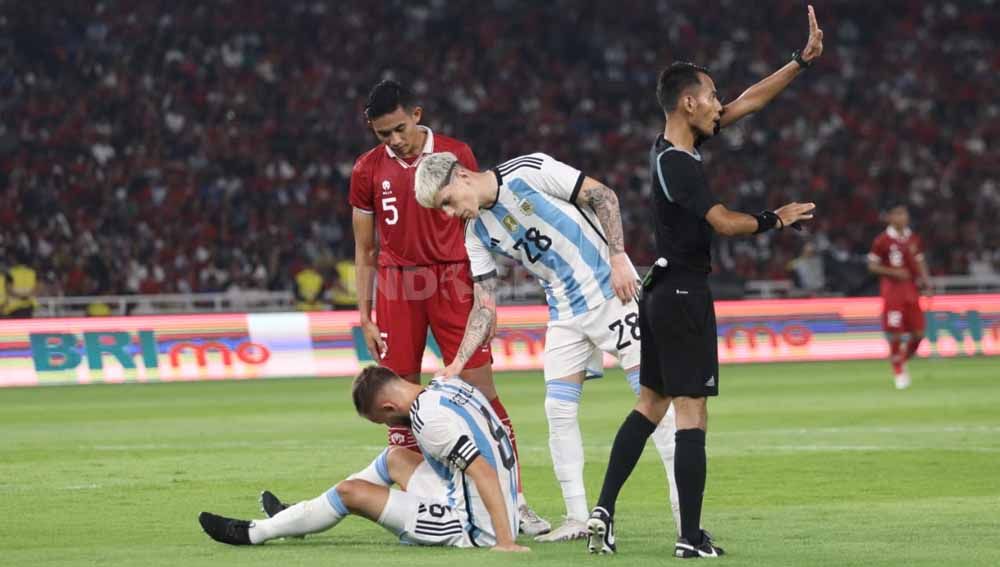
797,56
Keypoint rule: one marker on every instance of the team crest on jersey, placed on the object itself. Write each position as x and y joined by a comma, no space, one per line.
526,207
510,224
386,186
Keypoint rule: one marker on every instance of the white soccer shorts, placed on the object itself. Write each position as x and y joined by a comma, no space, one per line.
420,515
571,344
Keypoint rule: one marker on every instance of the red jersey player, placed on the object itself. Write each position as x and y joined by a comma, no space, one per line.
897,257
423,269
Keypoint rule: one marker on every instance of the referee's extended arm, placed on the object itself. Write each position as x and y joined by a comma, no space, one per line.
734,223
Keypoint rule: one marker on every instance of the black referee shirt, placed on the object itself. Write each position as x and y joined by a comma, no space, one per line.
681,199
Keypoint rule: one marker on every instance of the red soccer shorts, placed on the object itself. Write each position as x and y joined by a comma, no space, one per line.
902,315
409,299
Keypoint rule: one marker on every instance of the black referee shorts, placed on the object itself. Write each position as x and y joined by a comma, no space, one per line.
680,355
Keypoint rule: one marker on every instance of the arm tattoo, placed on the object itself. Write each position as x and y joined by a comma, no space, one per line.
484,312
605,204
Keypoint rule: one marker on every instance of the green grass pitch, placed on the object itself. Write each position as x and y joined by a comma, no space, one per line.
809,464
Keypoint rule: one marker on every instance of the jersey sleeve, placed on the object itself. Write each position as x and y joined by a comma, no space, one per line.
917,248
557,178
439,436
481,261
879,251
361,195
681,179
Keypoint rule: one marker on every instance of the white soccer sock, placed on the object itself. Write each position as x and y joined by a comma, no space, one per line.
663,438
377,472
562,403
306,517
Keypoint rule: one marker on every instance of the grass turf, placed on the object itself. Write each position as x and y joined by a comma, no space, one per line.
809,464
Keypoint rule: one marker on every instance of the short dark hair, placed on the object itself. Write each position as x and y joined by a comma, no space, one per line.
674,80
368,384
387,96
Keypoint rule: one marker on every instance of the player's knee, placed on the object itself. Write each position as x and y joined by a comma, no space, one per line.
652,405
349,492
691,413
562,400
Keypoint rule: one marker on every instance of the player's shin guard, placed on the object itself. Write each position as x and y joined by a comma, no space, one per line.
377,472
663,438
562,403
690,466
400,436
896,355
501,412
306,517
625,452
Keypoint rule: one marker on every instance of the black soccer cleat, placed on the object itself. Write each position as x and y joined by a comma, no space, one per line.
225,530
707,548
601,532
270,504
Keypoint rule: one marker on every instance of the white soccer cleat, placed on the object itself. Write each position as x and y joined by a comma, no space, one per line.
570,530
530,523
902,380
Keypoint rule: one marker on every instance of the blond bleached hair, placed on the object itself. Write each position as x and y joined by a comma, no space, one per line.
432,175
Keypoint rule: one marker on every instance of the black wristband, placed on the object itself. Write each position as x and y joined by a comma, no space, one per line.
797,57
766,220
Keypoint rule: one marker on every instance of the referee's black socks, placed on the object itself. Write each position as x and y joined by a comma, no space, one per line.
689,471
625,453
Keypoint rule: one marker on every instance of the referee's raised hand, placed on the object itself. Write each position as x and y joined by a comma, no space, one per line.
623,278
795,212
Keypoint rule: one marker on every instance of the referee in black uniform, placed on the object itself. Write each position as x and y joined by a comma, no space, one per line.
680,362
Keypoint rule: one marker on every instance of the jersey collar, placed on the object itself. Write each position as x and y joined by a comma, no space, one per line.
895,234
428,149
496,172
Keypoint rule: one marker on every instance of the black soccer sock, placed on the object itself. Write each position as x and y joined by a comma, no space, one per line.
689,471
625,453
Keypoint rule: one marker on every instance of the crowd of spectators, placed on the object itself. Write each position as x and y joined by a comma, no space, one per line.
189,146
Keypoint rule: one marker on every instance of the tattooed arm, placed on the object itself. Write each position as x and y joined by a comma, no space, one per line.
604,202
481,326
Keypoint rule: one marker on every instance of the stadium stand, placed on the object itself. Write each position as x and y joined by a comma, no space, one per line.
186,147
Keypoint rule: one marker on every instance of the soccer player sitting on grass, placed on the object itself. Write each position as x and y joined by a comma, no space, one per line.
566,229
461,492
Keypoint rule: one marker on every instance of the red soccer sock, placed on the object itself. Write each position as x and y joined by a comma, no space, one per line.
501,412
896,356
912,345
400,436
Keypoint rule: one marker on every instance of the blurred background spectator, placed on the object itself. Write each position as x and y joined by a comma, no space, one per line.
162,147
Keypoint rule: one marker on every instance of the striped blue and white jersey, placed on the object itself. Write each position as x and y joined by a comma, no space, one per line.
535,221
454,425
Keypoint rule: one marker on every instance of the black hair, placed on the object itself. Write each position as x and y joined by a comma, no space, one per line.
385,97
368,384
674,80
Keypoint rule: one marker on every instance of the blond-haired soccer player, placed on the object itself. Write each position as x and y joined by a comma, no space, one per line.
566,229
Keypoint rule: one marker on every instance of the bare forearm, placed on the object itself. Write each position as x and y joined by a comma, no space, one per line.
604,202
364,279
760,94
488,486
480,323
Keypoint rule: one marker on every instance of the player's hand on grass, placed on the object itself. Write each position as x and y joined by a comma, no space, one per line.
623,280
795,212
373,340
814,45
510,547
